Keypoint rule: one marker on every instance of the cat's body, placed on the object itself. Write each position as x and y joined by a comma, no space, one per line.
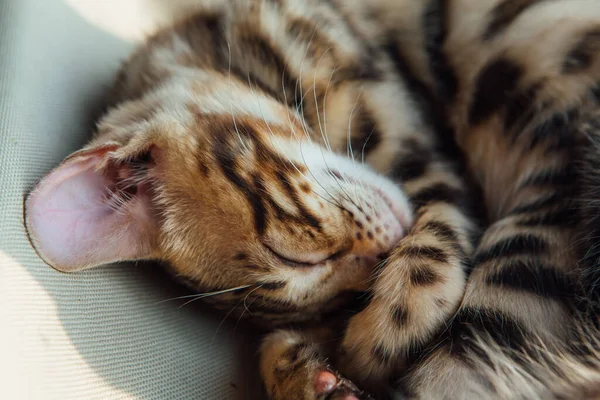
236,154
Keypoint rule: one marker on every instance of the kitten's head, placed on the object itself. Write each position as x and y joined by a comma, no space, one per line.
225,198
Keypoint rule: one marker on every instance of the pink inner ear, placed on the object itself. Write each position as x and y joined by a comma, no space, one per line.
72,225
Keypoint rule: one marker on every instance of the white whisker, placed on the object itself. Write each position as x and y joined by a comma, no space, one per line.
223,320
349,151
365,145
321,130
299,83
333,71
208,294
242,142
246,297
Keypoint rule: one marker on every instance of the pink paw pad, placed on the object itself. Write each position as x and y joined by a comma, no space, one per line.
325,382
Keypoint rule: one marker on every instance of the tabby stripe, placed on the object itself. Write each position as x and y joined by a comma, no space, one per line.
504,14
423,276
265,154
524,244
400,315
557,127
217,38
256,81
504,330
521,109
468,265
368,135
441,231
536,278
441,303
431,109
582,55
262,49
435,25
539,204
258,206
494,87
549,177
308,218
206,34
440,192
434,253
318,44
409,167
204,170
244,129
556,218
270,57
226,160
412,163
272,285
364,69
306,31
415,85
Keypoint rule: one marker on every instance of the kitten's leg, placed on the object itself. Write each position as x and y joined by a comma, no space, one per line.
421,285
293,366
516,125
524,279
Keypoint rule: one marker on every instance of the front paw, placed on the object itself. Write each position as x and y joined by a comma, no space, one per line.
373,348
293,369
381,339
330,385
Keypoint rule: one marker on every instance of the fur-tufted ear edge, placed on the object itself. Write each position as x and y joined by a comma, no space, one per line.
90,210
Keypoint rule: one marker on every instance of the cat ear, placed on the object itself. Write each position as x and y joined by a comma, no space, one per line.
76,219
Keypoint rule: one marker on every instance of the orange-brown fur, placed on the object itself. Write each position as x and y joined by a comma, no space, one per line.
265,129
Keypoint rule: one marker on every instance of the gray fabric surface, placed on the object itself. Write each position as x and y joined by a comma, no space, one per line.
101,333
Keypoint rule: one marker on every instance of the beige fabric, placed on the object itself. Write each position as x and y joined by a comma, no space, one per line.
98,334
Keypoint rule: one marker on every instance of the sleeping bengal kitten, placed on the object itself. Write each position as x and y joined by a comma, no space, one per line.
296,157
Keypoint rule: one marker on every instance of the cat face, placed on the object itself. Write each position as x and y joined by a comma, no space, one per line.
236,199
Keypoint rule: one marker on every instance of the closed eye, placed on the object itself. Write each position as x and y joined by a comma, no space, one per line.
300,263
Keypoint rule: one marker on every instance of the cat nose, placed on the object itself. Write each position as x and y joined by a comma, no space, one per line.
375,237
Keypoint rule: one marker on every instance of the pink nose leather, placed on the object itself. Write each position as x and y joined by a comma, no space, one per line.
376,234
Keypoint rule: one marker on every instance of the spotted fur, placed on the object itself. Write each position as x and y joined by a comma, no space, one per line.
311,163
